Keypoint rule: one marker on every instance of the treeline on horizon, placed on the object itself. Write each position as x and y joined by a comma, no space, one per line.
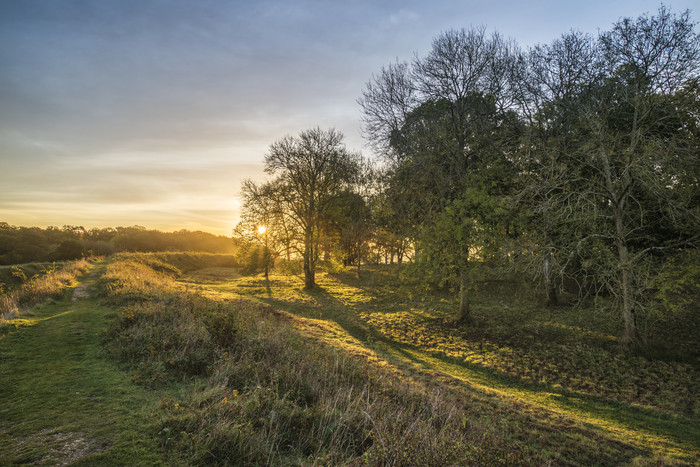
574,162
34,244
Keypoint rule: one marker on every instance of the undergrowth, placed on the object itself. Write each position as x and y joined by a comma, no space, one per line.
512,335
246,383
255,391
51,284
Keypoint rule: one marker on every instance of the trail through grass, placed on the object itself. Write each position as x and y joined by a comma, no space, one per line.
60,402
556,367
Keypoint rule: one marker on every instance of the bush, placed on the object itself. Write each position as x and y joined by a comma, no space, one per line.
678,285
162,341
39,288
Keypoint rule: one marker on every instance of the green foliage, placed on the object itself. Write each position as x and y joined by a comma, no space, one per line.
289,268
68,250
252,259
16,275
678,285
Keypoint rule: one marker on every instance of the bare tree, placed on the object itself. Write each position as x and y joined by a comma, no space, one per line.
608,142
553,84
310,169
636,133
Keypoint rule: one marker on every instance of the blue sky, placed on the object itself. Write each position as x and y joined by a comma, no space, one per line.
150,112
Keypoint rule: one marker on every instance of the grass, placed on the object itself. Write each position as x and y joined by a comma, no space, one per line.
61,402
32,290
15,275
262,393
184,361
567,362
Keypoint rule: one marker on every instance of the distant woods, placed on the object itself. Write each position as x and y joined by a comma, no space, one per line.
34,244
575,162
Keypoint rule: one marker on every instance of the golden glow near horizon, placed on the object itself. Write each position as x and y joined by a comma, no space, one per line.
164,139
262,229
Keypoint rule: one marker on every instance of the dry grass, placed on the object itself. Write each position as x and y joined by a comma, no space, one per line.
52,285
254,388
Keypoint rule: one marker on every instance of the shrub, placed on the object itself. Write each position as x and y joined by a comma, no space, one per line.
39,288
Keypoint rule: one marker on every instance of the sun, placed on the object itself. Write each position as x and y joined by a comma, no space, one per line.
262,229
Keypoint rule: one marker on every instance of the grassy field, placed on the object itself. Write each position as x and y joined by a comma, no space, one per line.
184,361
60,401
565,363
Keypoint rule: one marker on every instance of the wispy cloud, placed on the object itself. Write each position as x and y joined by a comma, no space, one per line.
403,16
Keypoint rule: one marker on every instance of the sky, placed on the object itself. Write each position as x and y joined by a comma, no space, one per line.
151,112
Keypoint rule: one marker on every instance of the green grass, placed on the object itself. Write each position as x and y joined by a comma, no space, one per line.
15,275
566,362
183,361
61,402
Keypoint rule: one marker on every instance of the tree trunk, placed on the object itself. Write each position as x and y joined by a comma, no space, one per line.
550,291
626,282
618,205
464,312
309,263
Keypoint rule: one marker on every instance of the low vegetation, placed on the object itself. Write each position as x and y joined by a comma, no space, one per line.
374,370
61,402
270,395
45,282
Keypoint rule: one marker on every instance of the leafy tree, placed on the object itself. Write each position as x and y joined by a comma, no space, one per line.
69,249
264,221
443,123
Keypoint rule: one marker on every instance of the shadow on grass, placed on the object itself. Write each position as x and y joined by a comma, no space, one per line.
328,308
644,427
647,424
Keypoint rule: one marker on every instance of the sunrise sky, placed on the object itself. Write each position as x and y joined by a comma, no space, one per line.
150,112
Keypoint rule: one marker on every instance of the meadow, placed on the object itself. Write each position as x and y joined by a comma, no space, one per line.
225,368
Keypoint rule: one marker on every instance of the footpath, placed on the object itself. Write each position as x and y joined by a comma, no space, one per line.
60,403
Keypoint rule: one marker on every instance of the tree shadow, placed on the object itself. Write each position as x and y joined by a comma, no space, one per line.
612,419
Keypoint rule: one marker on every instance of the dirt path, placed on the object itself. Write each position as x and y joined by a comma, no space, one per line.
85,289
60,402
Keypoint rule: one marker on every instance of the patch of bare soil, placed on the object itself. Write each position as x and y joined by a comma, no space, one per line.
83,290
66,448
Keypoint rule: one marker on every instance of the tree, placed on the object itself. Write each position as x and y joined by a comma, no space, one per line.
351,216
555,80
310,169
637,138
611,137
68,250
441,123
262,220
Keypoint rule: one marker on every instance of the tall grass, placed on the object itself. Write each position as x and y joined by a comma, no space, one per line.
39,288
252,390
267,395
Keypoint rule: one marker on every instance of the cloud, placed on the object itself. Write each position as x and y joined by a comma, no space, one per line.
403,16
